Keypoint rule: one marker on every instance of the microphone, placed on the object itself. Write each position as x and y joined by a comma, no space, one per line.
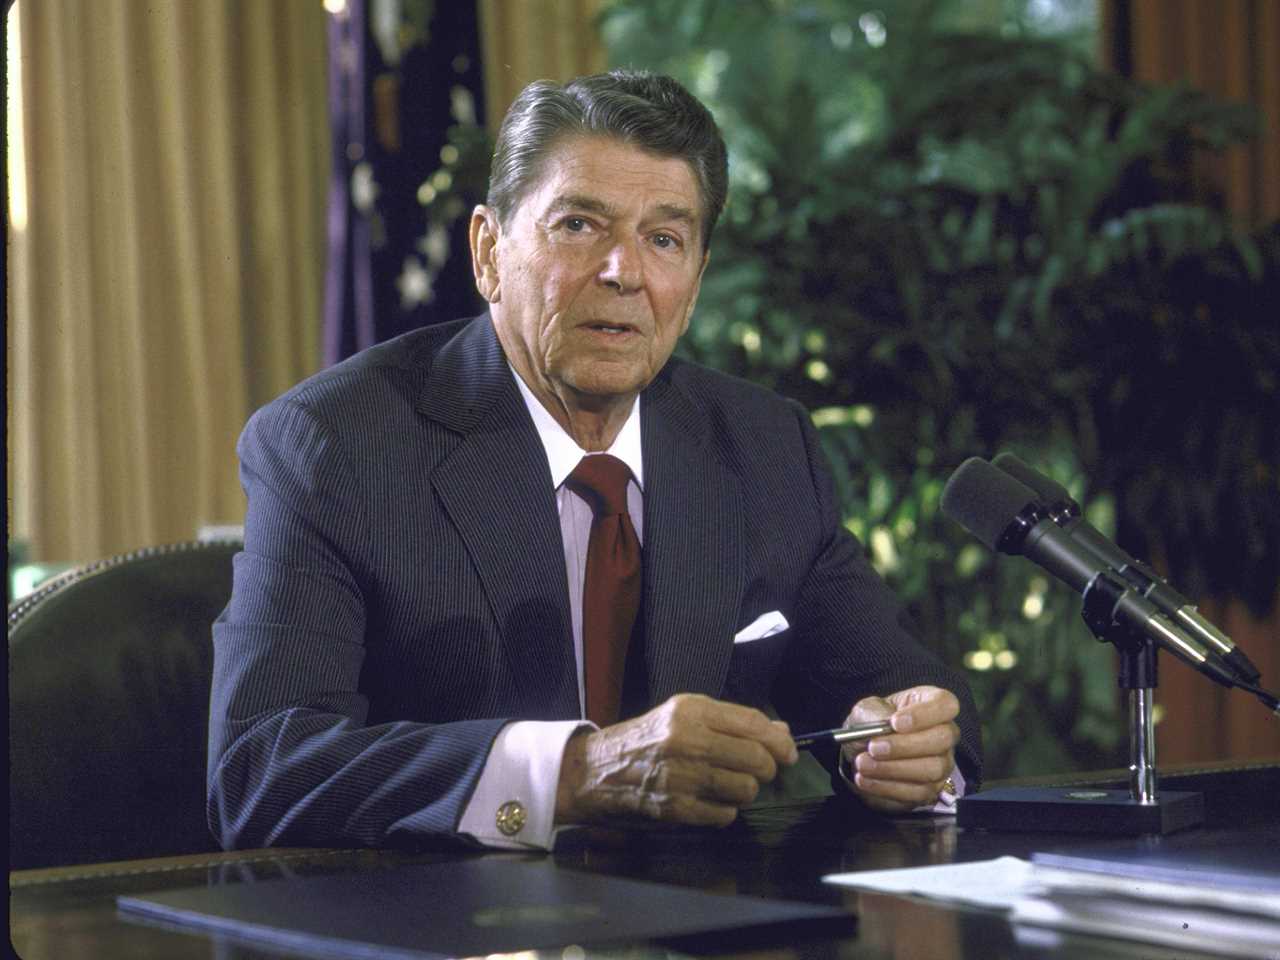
1064,511
1004,514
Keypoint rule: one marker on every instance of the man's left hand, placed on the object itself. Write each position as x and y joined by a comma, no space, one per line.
906,769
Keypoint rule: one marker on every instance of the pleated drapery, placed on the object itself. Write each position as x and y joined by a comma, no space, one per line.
527,40
168,277
1227,48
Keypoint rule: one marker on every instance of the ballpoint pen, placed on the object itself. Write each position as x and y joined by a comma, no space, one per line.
857,731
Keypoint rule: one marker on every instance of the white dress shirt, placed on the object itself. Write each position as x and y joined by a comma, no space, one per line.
524,764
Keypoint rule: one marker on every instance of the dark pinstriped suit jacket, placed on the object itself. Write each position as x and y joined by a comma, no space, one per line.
402,592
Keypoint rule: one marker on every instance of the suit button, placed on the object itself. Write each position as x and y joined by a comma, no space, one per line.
511,817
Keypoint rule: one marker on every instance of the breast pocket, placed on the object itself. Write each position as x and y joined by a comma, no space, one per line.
752,669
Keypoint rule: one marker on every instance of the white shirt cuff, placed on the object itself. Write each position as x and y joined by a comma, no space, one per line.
514,803
946,800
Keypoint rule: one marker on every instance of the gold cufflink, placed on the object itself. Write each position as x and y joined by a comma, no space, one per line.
511,818
949,786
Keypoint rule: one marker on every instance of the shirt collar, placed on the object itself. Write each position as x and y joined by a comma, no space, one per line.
563,452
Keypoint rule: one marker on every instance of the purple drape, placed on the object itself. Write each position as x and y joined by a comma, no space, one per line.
394,92
348,296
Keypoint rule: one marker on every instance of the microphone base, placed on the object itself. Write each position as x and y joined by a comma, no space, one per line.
1079,810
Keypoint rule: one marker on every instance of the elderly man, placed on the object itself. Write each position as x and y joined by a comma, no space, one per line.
526,570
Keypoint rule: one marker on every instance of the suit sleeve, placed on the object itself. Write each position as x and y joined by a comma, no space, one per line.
855,638
291,759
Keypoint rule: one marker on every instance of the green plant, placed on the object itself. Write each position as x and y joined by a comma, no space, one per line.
948,242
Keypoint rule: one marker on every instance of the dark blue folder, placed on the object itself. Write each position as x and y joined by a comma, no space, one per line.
475,907
1247,859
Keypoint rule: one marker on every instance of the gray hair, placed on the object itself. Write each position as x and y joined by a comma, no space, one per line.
646,110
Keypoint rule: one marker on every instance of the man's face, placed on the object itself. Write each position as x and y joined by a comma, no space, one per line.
594,278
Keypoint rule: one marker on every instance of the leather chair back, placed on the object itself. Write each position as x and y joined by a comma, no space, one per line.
109,672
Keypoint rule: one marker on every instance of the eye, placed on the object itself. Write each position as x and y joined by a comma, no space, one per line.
666,241
574,224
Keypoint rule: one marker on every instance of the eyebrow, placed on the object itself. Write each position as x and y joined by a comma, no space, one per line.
672,211
580,201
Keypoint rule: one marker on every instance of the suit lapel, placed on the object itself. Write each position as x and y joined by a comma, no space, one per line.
693,563
496,488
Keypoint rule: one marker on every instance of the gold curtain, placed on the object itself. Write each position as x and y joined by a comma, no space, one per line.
169,276
1225,47
527,40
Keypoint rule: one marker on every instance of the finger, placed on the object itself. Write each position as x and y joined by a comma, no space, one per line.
926,770
724,786
865,710
677,776
687,810
870,708
613,801
920,707
900,746
934,741
672,787
746,723
905,795
734,754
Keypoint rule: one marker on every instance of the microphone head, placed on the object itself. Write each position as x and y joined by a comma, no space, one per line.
990,504
1046,489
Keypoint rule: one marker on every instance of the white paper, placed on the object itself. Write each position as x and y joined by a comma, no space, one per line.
1182,915
1219,932
1003,882
995,883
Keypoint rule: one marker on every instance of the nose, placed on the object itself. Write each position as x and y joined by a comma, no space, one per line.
621,268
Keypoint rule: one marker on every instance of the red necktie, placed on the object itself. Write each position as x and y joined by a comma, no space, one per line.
611,594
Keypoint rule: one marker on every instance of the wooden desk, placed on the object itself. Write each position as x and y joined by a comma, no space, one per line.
782,851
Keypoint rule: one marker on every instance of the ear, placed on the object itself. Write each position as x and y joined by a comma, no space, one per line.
697,286
484,234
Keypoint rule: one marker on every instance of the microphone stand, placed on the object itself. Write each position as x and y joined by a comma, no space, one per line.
1134,665
1143,809
1147,810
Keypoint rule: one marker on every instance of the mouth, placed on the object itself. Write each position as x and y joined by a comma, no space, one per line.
610,329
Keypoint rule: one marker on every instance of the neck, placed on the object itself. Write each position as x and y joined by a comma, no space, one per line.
593,422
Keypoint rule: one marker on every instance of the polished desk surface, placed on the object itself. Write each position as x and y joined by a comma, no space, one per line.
779,851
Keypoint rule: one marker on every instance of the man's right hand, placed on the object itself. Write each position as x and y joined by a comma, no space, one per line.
690,760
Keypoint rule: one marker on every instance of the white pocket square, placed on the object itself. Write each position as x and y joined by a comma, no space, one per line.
763,626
